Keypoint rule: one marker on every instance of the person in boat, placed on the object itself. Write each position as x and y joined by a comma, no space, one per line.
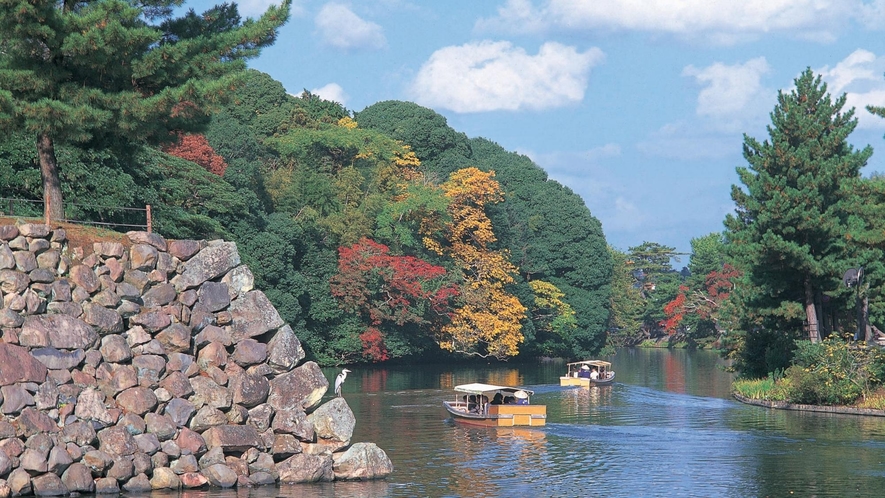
585,372
594,374
509,400
522,397
498,399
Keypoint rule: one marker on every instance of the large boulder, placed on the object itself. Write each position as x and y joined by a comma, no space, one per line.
303,388
362,461
208,264
333,421
253,315
303,468
19,366
58,331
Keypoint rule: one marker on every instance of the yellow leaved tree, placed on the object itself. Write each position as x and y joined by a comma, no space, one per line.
487,319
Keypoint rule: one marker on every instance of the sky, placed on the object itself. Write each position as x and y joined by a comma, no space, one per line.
639,107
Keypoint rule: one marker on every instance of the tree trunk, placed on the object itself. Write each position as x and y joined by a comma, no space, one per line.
810,312
53,209
864,317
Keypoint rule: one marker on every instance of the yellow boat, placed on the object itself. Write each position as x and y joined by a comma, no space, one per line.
495,406
588,373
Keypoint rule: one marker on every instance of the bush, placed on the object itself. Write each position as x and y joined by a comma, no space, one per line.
834,372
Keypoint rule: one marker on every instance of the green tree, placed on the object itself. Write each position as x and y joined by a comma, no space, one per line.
787,236
626,302
108,70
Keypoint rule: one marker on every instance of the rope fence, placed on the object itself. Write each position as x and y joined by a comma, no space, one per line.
31,208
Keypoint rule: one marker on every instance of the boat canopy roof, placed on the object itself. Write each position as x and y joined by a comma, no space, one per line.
477,388
597,363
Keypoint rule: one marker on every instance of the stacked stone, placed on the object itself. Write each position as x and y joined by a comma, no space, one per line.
156,365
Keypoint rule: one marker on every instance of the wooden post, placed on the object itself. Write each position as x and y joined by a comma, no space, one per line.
147,210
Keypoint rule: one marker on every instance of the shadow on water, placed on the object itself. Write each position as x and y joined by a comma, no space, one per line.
667,427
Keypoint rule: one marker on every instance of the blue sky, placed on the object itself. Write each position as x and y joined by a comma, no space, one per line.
638,106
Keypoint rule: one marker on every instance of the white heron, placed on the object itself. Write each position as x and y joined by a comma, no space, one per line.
340,380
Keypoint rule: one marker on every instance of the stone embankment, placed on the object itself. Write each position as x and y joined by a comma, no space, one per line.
155,365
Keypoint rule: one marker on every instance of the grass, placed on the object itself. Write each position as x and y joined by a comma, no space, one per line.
762,389
875,400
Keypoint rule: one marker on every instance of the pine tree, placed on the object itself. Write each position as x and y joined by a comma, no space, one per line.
93,71
788,233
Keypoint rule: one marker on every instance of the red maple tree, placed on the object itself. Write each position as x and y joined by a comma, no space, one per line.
386,288
705,303
195,148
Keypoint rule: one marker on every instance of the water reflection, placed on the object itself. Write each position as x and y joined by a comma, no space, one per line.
667,427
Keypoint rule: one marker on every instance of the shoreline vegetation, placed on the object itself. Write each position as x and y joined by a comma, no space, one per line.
784,405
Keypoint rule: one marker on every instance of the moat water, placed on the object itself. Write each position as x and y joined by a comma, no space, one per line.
667,427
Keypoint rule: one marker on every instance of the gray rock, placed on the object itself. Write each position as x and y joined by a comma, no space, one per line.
208,264
159,295
58,331
213,353
36,230
284,351
138,400
115,349
79,433
106,298
249,352
214,296
104,321
91,406
136,336
5,463
13,281
138,484
303,468
184,249
83,277
59,360
32,421
25,261
47,396
19,366
249,390
10,319
141,463
175,338
253,315
7,259
113,378
362,461
163,426
190,442
117,441
19,482
150,238
106,485
147,443
149,368
220,475
232,437
239,281
334,421
58,461
303,387
185,464
170,448
294,422
121,470
49,485
133,424
61,290
108,249
34,461
152,321
42,275
180,411
284,446
15,399
213,456
165,478
205,418
176,383
143,257
207,392
78,479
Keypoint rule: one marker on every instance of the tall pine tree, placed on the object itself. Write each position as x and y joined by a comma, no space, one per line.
788,233
84,71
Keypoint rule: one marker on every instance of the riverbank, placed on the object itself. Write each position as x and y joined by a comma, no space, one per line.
783,405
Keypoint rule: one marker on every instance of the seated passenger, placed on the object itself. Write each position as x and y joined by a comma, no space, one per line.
498,399
594,374
522,397
585,372
509,400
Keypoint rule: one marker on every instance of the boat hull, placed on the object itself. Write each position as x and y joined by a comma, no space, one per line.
499,415
586,382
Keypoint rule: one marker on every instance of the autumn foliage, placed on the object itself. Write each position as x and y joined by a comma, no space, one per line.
195,148
703,303
487,322
388,289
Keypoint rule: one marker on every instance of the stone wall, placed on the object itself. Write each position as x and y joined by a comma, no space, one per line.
155,365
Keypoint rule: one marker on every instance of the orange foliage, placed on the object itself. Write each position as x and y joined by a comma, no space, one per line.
195,148
488,321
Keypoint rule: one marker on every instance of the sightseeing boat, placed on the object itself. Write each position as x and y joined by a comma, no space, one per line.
495,406
588,373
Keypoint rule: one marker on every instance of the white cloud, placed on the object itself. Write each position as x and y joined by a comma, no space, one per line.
254,8
690,142
340,28
731,94
859,76
332,92
492,76
722,21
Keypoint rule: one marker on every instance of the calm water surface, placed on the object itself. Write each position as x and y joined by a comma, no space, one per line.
667,427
